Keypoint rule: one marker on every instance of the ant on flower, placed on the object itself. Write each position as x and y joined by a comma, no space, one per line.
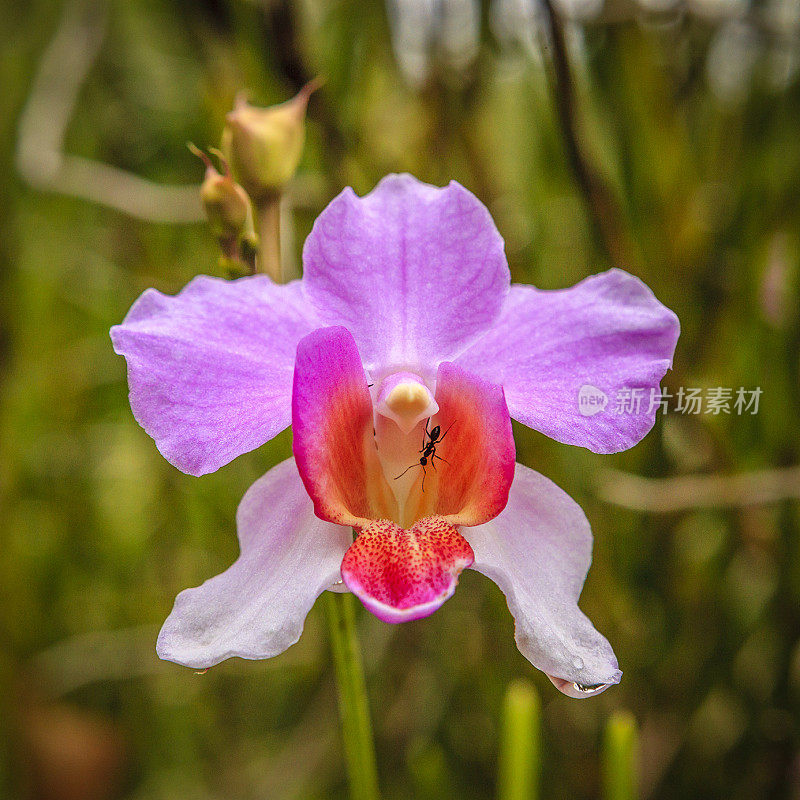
429,450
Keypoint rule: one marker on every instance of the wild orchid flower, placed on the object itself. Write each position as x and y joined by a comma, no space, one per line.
399,360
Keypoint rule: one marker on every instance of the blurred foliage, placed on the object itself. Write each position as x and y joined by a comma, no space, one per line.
690,117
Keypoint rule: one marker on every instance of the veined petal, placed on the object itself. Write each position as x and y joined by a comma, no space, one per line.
401,575
210,369
256,608
332,422
538,552
415,272
606,334
468,477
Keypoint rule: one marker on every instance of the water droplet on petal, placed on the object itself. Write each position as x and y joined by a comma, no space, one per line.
577,662
578,690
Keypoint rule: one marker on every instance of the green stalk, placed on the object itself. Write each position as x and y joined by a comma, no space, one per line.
621,757
520,753
359,749
268,225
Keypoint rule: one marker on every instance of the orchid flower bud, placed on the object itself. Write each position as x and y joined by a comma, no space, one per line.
226,204
264,145
229,214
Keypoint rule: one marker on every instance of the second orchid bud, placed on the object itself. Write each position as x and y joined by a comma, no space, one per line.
228,210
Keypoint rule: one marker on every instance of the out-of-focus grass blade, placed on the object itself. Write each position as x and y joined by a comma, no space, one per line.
621,757
520,753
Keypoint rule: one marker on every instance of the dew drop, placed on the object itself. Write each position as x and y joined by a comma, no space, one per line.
578,690
577,662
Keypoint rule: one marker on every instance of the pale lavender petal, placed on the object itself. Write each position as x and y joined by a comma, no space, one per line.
256,608
538,552
550,349
210,369
414,272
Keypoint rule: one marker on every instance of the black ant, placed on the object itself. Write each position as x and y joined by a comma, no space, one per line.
429,450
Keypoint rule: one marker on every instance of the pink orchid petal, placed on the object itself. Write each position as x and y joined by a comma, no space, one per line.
256,608
332,422
608,333
402,575
413,271
538,552
474,485
210,369
468,478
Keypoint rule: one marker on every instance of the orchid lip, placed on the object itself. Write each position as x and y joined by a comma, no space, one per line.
393,616
405,574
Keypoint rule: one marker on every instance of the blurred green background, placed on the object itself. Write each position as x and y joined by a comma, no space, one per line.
673,150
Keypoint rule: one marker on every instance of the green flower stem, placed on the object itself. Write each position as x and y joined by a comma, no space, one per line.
359,748
268,226
520,747
620,757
